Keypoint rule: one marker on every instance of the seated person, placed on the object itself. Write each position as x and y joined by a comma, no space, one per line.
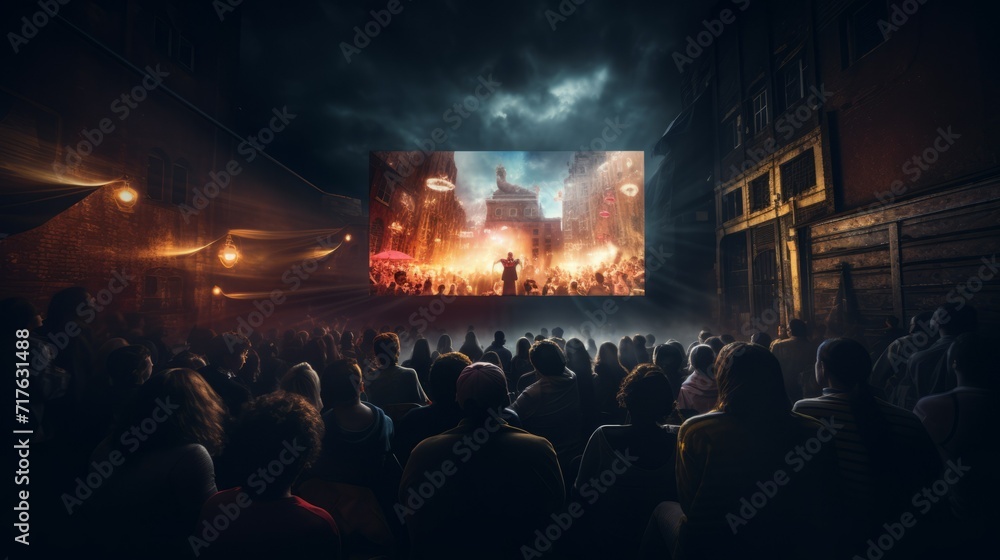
741,448
959,422
641,455
356,445
277,429
443,413
699,391
386,382
495,485
227,353
155,494
885,455
551,407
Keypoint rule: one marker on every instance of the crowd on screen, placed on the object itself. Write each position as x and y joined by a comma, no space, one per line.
621,278
338,443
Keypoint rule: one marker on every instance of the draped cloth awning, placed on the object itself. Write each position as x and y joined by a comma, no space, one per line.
34,188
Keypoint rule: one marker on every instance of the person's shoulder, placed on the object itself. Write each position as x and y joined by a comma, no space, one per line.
702,422
316,513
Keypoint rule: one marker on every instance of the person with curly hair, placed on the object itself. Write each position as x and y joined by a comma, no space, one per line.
276,438
641,454
157,467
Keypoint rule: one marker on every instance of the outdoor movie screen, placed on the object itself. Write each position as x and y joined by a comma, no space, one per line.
506,223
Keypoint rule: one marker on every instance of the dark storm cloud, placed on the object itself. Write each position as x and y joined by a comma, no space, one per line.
559,89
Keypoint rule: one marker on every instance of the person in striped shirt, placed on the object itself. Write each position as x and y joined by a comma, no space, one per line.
884,453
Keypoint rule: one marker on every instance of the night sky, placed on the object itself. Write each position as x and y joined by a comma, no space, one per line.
606,64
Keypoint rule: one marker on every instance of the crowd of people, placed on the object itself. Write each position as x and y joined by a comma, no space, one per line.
620,278
331,443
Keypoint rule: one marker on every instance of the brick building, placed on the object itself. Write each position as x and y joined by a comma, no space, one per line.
851,153
140,94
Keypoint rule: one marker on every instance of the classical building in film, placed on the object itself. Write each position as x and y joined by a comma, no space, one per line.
515,213
835,188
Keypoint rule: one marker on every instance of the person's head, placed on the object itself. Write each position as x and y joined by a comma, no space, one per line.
639,341
228,350
539,337
701,359
65,306
578,360
921,321
522,347
761,338
499,338
341,383
303,380
750,382
970,355
668,358
608,354
444,344
186,360
129,366
266,428
510,255
727,338
842,363
651,340
557,332
481,387
647,394
547,358
704,335
387,348
190,410
797,328
599,278
18,313
953,319
421,351
470,338
443,376
715,343
492,357
573,286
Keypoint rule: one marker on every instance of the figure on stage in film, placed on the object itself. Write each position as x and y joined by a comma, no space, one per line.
509,276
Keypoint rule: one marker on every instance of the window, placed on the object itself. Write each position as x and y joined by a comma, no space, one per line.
512,212
793,80
733,137
178,188
185,53
498,212
760,193
163,290
534,242
798,175
861,30
534,232
732,204
384,192
168,42
154,178
759,112
162,36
